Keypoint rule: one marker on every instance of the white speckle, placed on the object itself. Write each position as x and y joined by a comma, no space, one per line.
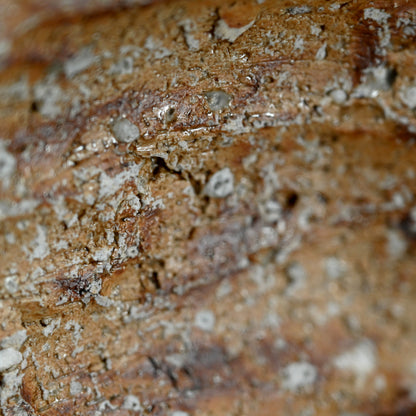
377,15
338,96
191,42
102,254
321,53
408,97
334,268
40,246
10,284
360,360
299,10
218,100
132,252
51,326
396,245
296,275
79,62
221,184
179,413
299,375
14,341
47,96
376,79
7,165
125,131
299,44
205,320
110,185
11,383
103,301
9,357
381,17
225,32
271,211
75,388
315,30
132,403
124,66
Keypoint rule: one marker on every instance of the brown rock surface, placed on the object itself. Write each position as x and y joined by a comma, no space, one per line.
208,208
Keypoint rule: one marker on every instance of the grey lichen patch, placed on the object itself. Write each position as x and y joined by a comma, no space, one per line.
218,100
132,403
75,388
205,320
14,341
188,29
47,96
122,67
79,62
221,184
40,246
9,357
7,165
360,360
297,10
408,97
321,53
124,130
299,375
338,96
376,80
225,32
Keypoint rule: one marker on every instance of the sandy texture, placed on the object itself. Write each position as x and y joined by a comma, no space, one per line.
208,208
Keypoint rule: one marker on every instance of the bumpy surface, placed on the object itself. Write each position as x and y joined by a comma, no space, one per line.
208,208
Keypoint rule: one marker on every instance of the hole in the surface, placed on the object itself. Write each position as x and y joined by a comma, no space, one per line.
292,199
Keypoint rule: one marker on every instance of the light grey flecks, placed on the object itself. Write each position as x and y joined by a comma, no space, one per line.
124,130
188,27
11,284
218,100
79,62
225,32
408,97
396,244
40,246
47,97
205,320
338,96
14,341
299,44
75,388
221,184
379,16
360,360
334,268
124,66
132,403
296,275
51,326
271,211
9,357
7,165
321,53
179,413
375,80
298,375
294,11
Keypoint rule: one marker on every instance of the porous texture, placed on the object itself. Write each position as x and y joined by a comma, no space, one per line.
248,248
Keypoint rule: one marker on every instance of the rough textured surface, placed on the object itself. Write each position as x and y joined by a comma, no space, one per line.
249,249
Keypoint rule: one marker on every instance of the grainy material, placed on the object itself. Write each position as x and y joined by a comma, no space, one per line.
208,208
